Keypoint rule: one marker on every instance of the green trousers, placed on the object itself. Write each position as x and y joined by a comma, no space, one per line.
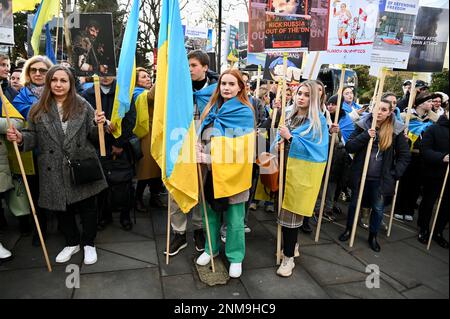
235,244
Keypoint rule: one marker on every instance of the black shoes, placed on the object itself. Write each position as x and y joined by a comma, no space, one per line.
373,242
424,235
199,239
126,224
103,223
177,243
440,240
345,235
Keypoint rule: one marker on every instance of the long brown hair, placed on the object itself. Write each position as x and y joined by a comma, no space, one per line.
71,104
217,98
386,129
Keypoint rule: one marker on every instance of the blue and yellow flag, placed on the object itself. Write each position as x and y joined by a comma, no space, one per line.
126,74
142,126
232,147
173,129
346,126
306,164
416,128
24,5
203,96
12,111
45,13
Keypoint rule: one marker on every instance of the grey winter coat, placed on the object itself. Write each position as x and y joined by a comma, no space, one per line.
56,190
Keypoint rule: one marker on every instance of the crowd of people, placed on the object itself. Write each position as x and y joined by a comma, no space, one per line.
56,129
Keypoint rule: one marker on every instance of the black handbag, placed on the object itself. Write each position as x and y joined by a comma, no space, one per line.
135,149
84,171
117,171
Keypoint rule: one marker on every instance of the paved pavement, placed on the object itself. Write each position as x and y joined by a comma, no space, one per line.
132,265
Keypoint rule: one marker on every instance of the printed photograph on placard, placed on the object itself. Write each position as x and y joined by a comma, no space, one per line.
256,25
196,38
93,45
318,36
273,69
6,22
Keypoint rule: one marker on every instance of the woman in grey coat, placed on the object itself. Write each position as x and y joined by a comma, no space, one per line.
62,127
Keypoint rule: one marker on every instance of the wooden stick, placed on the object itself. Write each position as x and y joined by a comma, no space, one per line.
168,230
27,187
98,102
437,209
316,58
57,30
412,98
208,233
366,161
258,82
280,187
330,154
277,98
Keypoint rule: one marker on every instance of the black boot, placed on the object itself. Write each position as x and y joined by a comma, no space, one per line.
440,240
125,220
424,235
373,242
345,235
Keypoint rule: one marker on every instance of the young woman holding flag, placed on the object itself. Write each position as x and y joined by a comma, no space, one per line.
227,128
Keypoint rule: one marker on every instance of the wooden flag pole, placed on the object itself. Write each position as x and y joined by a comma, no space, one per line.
277,98
168,229
281,163
437,209
258,82
316,58
98,102
208,233
412,97
57,30
366,161
330,154
25,180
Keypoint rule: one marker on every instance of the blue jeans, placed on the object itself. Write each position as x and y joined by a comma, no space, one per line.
371,198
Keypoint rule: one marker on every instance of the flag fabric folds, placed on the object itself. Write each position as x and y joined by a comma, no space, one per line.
24,5
202,96
306,164
126,74
12,111
49,52
346,126
232,147
173,129
417,127
45,13
142,117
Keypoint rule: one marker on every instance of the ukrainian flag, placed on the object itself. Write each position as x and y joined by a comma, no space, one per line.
416,128
12,112
306,164
232,147
24,5
126,74
45,13
347,127
173,129
142,117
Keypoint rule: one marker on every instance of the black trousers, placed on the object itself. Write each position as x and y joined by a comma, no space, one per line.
289,240
88,214
431,192
155,185
409,188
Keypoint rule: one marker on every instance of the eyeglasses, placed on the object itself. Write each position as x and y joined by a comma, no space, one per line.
40,70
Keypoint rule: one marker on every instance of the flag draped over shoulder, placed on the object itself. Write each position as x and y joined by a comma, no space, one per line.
45,13
416,128
232,147
346,126
24,5
306,164
203,96
126,74
173,129
142,117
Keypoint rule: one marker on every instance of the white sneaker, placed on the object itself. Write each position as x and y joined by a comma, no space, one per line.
253,206
223,238
398,216
409,218
235,270
90,255
66,253
297,250
247,229
204,259
4,253
269,209
286,267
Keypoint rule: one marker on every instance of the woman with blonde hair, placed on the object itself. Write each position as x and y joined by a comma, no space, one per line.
229,116
305,136
389,159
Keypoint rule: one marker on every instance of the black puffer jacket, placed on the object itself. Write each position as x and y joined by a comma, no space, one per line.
395,159
434,148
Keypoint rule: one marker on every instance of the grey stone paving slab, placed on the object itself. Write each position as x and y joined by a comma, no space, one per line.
359,290
260,252
143,227
336,294
262,215
257,231
334,254
327,273
188,287
398,232
9,237
128,284
439,284
411,272
435,250
264,283
108,261
422,292
35,283
113,233
143,250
